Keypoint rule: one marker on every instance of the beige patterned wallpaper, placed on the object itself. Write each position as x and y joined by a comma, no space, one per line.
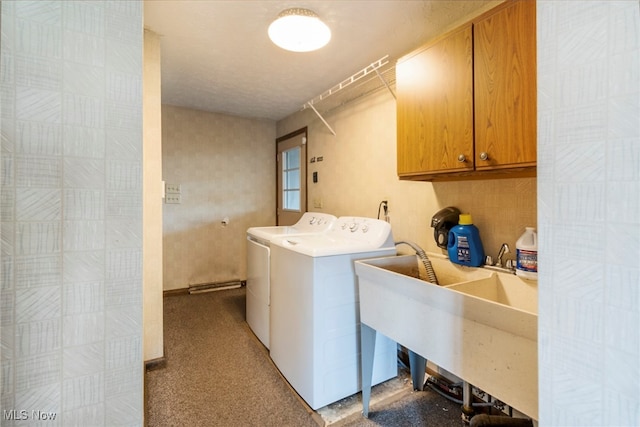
225,167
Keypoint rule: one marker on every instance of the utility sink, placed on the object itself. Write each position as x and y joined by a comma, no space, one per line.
505,289
479,324
447,272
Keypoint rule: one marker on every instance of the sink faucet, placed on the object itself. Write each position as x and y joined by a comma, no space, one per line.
503,250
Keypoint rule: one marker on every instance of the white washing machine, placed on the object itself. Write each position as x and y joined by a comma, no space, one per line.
315,322
258,266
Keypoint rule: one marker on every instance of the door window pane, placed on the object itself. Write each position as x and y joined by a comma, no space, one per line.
292,158
292,200
291,179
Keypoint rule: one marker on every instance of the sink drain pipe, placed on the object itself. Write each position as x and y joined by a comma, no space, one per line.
467,404
431,275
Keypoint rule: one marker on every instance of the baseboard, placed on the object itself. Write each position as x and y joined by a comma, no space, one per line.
216,286
157,363
204,287
175,292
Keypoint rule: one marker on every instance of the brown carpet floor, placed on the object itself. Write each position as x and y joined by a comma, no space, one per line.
217,373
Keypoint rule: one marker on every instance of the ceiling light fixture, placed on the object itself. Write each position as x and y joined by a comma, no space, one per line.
299,30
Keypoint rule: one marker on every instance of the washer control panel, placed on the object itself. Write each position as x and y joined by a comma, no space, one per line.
361,228
315,221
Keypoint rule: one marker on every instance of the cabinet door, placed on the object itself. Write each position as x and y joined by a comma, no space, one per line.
435,107
505,87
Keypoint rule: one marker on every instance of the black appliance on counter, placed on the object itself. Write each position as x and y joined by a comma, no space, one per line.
442,221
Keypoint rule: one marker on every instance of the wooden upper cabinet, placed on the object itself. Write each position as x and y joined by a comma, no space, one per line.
466,102
435,106
505,87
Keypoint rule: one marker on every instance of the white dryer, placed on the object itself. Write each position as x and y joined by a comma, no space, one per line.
315,322
258,266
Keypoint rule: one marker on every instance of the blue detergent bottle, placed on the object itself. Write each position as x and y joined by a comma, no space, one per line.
464,245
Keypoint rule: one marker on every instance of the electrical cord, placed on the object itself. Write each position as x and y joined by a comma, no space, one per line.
383,205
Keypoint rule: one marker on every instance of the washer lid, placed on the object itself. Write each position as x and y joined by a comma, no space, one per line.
322,245
309,223
349,235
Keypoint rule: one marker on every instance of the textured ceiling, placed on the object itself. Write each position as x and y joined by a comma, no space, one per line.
216,55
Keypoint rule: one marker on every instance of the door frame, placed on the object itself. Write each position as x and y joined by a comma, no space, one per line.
303,172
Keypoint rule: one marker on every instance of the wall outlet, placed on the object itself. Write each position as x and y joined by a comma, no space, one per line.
172,198
172,189
317,202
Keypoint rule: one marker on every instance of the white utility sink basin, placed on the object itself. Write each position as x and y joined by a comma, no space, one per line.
447,272
479,324
505,289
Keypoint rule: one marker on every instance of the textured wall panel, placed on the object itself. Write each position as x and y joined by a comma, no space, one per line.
38,105
83,390
36,204
38,172
38,304
83,142
82,298
38,238
40,73
81,360
83,329
34,372
84,173
84,235
84,204
83,266
38,138
58,189
589,134
38,337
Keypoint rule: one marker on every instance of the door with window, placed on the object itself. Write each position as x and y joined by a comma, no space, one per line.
292,177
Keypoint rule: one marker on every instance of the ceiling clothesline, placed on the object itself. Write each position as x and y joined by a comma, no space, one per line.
371,68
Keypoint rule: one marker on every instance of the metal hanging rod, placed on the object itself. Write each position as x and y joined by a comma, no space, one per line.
354,78
386,84
322,118
371,68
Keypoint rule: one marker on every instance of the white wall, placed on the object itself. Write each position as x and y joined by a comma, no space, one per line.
71,211
588,204
152,199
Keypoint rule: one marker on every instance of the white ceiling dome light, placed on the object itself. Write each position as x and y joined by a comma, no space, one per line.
299,30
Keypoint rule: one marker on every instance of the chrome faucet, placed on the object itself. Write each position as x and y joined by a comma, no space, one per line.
503,250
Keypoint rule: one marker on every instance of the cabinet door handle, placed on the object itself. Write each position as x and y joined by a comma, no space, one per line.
462,158
484,156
